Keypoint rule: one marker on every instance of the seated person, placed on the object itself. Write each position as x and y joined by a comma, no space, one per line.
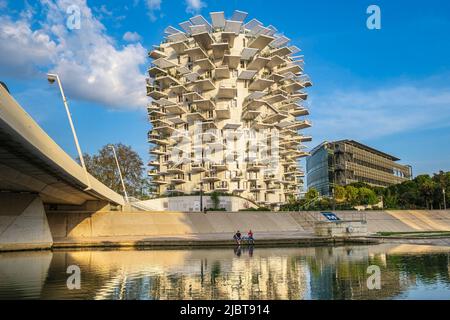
250,236
237,237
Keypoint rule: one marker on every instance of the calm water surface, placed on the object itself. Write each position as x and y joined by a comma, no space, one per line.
407,272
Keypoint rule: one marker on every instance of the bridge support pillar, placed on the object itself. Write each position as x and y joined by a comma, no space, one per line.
23,222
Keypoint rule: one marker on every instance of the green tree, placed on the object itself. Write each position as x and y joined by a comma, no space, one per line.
102,166
351,195
311,194
367,196
340,194
426,187
215,198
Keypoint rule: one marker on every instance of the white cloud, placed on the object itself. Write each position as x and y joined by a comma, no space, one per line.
131,36
153,7
370,114
90,64
194,6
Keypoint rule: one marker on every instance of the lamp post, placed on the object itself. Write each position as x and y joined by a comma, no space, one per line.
443,193
120,173
51,79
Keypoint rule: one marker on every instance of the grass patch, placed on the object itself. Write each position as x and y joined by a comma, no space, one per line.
416,234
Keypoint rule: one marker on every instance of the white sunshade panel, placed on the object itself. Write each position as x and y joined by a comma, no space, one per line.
199,29
171,30
199,20
256,95
248,53
294,49
273,30
186,26
218,19
192,76
257,30
247,74
279,42
177,37
239,16
164,102
233,26
253,23
163,63
183,70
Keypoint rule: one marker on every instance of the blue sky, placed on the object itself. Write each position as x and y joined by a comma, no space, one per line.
388,88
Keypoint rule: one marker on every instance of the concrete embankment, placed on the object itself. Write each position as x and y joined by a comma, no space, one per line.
216,228
20,229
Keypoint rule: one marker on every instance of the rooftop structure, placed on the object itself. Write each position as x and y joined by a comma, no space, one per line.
227,107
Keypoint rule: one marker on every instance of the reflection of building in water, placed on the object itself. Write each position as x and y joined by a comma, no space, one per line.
281,273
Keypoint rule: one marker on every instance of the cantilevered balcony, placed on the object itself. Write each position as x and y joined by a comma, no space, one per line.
261,41
260,83
275,117
255,166
227,91
159,139
219,166
205,64
196,53
175,109
275,61
155,71
166,81
155,92
223,111
171,189
258,63
195,115
192,96
205,104
202,85
160,151
177,179
236,175
180,47
298,125
197,168
222,72
221,186
269,177
290,67
203,39
282,51
210,176
219,49
231,60
158,181
153,173
157,53
299,111
256,187
154,163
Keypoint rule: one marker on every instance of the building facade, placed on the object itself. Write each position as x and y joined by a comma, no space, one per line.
347,161
227,107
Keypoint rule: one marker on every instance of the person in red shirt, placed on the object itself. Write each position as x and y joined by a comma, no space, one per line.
250,236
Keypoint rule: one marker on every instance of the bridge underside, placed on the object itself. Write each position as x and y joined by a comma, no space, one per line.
21,171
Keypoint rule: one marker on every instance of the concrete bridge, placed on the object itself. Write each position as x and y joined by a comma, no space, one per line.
35,171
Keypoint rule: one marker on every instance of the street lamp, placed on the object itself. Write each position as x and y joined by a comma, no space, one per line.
120,173
51,79
443,193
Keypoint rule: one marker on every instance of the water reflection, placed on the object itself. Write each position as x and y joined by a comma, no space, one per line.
245,272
